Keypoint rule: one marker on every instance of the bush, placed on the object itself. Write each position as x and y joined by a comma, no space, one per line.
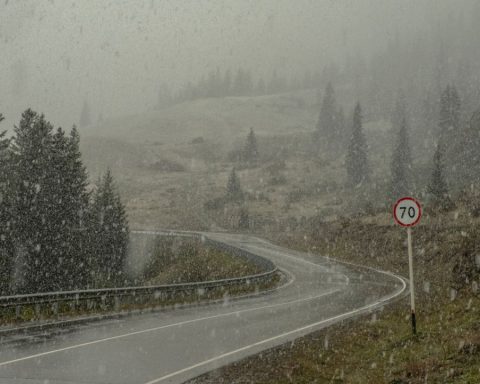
467,266
215,203
166,165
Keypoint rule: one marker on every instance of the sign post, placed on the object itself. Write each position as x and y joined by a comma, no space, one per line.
407,212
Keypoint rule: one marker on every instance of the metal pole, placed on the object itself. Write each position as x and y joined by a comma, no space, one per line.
412,285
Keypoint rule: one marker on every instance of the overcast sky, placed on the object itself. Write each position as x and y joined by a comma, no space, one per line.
115,53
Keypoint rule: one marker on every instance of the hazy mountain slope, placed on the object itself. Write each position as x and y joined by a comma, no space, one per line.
100,153
219,118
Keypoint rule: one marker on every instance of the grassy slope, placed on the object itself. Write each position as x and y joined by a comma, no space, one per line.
131,146
183,261
223,118
376,349
312,180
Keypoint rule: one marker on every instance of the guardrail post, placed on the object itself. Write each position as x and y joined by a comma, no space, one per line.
18,311
55,309
116,303
37,311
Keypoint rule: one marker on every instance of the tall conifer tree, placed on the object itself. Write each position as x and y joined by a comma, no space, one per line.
357,158
327,120
234,190
401,164
438,189
109,229
35,205
6,215
250,151
449,119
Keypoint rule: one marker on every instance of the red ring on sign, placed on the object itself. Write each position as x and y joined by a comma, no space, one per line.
417,203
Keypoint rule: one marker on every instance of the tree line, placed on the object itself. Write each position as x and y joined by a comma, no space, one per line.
225,83
455,154
56,233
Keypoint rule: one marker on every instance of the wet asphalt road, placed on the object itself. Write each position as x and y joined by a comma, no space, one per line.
176,345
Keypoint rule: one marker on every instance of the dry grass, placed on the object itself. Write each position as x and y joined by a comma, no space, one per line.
177,260
380,348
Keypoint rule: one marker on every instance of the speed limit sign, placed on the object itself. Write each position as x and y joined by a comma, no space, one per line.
407,212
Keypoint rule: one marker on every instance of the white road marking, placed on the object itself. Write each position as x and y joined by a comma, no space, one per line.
298,330
283,335
166,326
281,252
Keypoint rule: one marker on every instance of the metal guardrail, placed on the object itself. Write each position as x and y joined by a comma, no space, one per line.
90,299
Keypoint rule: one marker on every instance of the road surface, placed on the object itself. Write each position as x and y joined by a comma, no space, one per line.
176,345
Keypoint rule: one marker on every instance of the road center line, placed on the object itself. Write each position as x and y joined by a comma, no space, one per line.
283,335
166,326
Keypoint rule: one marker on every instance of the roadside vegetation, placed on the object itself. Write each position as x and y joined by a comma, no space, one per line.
380,347
376,349
173,260
177,260
57,231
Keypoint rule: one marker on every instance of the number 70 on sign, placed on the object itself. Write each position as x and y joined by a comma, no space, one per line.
407,212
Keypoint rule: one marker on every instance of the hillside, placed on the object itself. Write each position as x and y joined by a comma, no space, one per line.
170,163
214,118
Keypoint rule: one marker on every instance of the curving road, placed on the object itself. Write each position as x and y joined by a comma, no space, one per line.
174,346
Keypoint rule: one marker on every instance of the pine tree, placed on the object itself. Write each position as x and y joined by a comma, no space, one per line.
50,185
74,200
401,164
109,232
451,136
51,227
469,154
437,189
244,218
399,112
35,204
85,118
449,119
327,126
7,197
234,190
57,187
67,189
341,126
357,161
250,151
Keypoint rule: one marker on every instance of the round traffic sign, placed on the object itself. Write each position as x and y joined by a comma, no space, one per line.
407,212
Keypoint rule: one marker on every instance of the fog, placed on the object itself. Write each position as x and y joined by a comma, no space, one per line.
189,184
115,54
